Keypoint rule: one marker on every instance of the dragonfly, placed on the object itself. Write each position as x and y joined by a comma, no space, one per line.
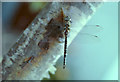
84,34
87,32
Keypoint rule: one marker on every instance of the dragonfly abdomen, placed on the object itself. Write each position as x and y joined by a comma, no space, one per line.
67,25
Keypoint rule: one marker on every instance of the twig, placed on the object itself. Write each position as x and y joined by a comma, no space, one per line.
40,45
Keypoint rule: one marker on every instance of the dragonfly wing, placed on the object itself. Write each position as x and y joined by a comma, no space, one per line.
91,29
87,35
87,38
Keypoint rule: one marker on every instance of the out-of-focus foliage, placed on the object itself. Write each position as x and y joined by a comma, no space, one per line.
60,74
36,6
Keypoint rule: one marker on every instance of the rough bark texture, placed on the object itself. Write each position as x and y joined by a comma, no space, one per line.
41,44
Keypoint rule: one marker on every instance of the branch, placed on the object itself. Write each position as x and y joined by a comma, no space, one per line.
40,45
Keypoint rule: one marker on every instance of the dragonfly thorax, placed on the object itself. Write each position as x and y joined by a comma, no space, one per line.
67,23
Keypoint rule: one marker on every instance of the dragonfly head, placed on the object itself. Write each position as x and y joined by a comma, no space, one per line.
67,19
